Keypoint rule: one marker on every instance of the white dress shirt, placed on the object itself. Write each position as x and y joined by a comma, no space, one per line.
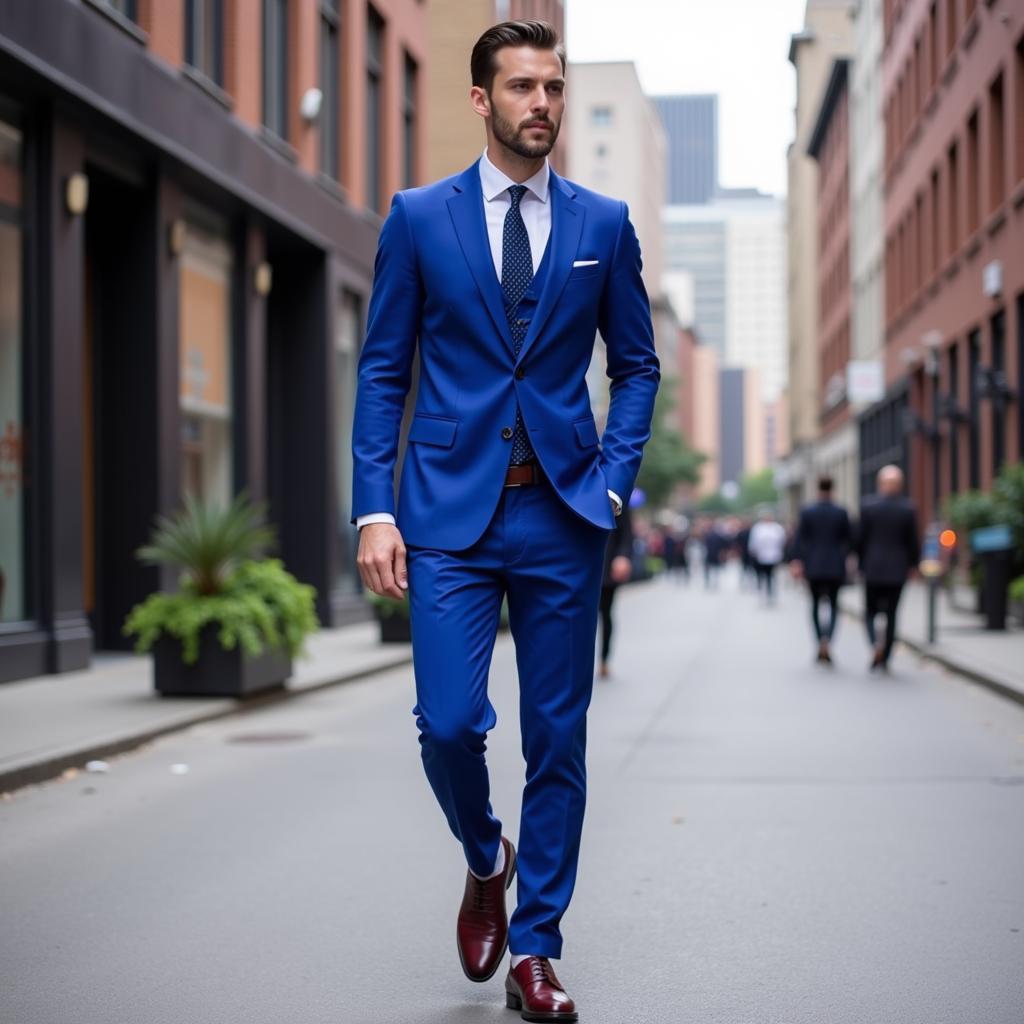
536,211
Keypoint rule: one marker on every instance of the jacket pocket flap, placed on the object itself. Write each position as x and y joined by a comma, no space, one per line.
433,430
586,432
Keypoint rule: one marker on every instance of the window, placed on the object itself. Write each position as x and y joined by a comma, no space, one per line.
14,522
330,86
601,117
933,44
127,8
951,26
374,110
954,423
974,410
973,176
347,338
936,224
275,66
998,402
204,38
409,122
953,192
997,144
1019,119
205,337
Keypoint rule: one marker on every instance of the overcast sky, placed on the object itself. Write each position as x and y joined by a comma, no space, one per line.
736,48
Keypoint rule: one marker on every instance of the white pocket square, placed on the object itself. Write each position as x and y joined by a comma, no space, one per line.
585,263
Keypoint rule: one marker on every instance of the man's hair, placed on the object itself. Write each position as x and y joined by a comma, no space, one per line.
825,484
539,34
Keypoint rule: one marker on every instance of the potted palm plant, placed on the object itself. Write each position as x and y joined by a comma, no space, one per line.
237,619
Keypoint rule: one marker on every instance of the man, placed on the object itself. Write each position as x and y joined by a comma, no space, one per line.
502,276
888,550
618,567
767,546
821,546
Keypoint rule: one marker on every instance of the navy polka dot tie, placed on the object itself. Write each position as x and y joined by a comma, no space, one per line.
516,275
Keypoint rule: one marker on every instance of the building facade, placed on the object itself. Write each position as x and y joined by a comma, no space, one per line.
695,246
691,127
455,134
827,34
954,237
190,195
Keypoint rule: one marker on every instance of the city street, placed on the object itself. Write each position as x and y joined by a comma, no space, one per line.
767,842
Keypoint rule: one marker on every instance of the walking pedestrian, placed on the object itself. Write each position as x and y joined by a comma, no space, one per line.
502,277
767,545
716,547
618,567
820,548
888,550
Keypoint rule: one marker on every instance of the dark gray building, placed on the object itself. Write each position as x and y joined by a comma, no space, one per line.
691,125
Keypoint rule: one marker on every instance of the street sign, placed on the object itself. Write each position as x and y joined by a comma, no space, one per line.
991,538
865,381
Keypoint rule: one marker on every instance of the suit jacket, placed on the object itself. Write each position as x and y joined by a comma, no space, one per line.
823,539
887,541
435,286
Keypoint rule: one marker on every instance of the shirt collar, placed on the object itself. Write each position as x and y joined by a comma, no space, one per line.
493,182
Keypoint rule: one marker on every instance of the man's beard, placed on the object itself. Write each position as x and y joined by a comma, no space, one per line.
512,136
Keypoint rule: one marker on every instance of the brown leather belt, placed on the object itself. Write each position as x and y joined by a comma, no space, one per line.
524,475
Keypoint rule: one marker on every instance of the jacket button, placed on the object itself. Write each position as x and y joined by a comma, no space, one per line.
506,432
520,373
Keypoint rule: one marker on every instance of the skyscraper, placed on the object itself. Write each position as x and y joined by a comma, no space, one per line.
691,124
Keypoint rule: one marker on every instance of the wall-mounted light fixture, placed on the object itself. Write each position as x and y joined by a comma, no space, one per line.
310,105
76,194
176,237
263,278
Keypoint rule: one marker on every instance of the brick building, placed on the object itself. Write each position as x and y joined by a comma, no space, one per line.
190,195
954,222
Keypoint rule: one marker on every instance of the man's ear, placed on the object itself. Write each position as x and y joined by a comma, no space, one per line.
480,101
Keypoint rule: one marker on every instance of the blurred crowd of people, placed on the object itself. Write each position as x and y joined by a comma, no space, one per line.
824,549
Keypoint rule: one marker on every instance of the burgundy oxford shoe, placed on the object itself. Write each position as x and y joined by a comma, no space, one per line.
533,989
482,929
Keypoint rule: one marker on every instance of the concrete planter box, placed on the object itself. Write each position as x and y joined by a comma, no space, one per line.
216,672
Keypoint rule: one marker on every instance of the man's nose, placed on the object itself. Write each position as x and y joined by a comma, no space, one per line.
541,103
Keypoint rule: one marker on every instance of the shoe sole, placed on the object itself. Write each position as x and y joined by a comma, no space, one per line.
480,979
513,1002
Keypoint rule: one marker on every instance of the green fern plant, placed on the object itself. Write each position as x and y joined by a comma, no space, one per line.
253,602
209,541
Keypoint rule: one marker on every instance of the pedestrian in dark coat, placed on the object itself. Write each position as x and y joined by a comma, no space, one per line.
822,543
888,550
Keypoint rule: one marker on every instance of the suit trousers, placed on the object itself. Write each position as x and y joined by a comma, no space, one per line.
549,563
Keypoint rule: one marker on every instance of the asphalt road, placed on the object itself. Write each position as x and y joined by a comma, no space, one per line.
766,841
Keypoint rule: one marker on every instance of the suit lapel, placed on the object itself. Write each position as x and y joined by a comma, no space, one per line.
466,208
566,228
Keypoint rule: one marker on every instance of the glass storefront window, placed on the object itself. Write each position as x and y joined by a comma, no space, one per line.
346,355
13,479
205,353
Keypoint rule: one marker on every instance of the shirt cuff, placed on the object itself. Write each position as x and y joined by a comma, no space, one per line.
374,517
616,501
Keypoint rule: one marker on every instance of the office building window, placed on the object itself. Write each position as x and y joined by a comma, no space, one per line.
204,37
14,523
936,223
953,192
973,175
275,66
409,122
997,144
601,117
974,409
951,26
997,402
126,8
933,43
954,423
205,326
347,343
330,86
374,108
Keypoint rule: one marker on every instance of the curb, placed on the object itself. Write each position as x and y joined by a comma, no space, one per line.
1004,690
53,765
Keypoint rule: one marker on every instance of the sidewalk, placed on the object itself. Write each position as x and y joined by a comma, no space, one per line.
993,659
51,723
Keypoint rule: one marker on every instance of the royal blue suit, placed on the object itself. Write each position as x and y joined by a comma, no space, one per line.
471,541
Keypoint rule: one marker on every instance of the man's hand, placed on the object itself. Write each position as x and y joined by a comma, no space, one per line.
381,560
621,569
